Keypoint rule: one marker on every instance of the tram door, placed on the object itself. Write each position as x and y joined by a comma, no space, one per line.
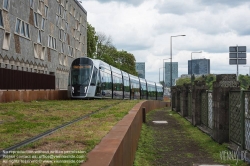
98,85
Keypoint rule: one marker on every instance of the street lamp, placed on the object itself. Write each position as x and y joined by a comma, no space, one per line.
249,69
192,65
172,58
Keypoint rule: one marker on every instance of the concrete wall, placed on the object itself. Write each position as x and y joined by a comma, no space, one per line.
29,95
118,147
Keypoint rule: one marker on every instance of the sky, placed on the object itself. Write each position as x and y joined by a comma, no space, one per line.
144,28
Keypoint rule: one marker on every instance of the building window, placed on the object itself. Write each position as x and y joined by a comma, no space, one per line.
66,5
46,11
22,28
61,33
57,18
43,53
39,37
27,30
52,42
6,41
60,59
31,3
79,27
6,4
1,19
66,26
35,50
40,7
18,26
42,23
71,9
60,10
65,37
65,61
62,49
64,14
35,19
71,51
62,24
74,12
80,19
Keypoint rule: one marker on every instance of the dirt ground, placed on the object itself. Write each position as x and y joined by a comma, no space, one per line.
174,146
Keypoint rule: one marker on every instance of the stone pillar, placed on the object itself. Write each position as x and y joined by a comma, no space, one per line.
178,98
184,105
198,87
221,87
173,93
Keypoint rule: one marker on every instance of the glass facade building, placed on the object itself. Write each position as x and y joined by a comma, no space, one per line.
167,73
140,69
199,66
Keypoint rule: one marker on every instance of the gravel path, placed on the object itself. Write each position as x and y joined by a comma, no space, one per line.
174,146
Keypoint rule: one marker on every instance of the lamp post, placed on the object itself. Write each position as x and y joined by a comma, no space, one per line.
192,65
249,69
172,58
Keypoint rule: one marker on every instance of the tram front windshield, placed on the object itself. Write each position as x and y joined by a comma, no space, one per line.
81,74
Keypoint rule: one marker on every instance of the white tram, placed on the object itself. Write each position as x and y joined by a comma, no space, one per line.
92,78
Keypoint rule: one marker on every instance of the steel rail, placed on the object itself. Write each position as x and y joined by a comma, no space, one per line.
44,134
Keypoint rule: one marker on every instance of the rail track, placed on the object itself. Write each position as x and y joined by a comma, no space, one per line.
46,133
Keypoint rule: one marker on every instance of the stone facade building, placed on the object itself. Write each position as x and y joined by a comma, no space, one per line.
42,36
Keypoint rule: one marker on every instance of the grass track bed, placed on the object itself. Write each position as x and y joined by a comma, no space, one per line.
83,135
20,121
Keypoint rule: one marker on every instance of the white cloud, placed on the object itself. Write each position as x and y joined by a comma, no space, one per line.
144,27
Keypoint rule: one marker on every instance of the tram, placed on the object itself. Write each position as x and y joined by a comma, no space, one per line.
92,78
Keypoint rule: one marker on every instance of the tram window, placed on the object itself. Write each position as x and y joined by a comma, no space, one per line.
81,75
93,81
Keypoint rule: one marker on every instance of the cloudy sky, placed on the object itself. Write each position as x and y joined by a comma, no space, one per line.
144,27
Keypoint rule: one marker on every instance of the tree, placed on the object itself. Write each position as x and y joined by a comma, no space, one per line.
99,46
182,81
244,81
209,79
127,62
103,44
91,41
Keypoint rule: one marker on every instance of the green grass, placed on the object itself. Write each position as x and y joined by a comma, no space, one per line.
206,142
146,151
22,120
83,135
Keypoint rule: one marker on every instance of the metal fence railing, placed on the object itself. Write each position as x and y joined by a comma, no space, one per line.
239,114
247,119
15,79
204,108
210,109
189,105
235,117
